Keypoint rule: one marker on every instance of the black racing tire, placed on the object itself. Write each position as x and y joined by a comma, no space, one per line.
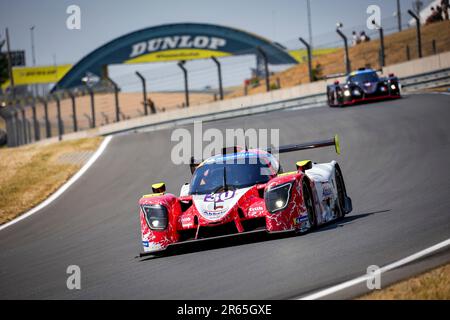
329,99
340,206
309,204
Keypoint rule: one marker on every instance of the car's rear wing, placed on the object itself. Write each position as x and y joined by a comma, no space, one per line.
344,74
309,145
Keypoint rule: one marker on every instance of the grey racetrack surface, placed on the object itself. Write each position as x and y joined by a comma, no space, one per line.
395,162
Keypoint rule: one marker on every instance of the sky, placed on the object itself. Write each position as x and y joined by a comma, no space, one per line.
103,20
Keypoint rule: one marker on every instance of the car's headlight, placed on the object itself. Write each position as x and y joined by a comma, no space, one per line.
347,93
356,92
383,89
156,216
277,198
393,86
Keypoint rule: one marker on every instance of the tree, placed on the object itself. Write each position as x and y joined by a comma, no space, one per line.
4,74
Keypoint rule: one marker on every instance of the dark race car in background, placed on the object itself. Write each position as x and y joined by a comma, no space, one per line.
363,85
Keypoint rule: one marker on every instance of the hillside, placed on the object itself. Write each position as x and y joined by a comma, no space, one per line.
363,55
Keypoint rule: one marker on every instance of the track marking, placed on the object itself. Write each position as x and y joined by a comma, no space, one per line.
64,187
364,278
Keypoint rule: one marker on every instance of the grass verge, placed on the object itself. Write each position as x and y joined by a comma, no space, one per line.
432,285
29,174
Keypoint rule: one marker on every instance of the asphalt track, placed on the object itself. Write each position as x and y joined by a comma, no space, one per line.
396,164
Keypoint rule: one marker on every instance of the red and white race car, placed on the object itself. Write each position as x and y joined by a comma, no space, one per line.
241,191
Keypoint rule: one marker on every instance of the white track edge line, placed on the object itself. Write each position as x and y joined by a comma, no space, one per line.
64,187
394,265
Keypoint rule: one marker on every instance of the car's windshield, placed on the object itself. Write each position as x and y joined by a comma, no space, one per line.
364,77
209,178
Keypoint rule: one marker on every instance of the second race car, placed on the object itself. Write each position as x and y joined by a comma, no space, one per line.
242,191
363,85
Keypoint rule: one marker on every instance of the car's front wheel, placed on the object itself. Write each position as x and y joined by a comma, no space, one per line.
330,98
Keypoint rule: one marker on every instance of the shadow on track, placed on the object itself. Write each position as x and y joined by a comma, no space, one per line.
346,221
239,240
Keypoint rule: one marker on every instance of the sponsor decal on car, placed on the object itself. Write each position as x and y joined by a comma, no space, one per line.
145,244
187,222
214,213
326,190
299,220
215,206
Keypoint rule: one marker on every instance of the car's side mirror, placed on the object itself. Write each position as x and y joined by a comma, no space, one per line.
304,165
159,187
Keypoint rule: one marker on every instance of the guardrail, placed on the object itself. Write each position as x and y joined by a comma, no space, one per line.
426,80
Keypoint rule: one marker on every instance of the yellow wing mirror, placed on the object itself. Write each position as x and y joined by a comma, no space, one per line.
159,187
304,165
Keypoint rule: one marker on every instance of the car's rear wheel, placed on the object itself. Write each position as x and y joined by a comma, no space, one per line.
340,203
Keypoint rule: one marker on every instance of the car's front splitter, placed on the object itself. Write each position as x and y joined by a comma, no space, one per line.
196,241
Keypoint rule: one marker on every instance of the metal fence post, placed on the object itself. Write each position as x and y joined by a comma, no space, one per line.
30,139
382,56
91,94
419,37
266,67
74,111
14,129
60,123
219,72
36,127
24,125
433,44
48,129
17,127
186,84
308,49
144,93
348,68
116,98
